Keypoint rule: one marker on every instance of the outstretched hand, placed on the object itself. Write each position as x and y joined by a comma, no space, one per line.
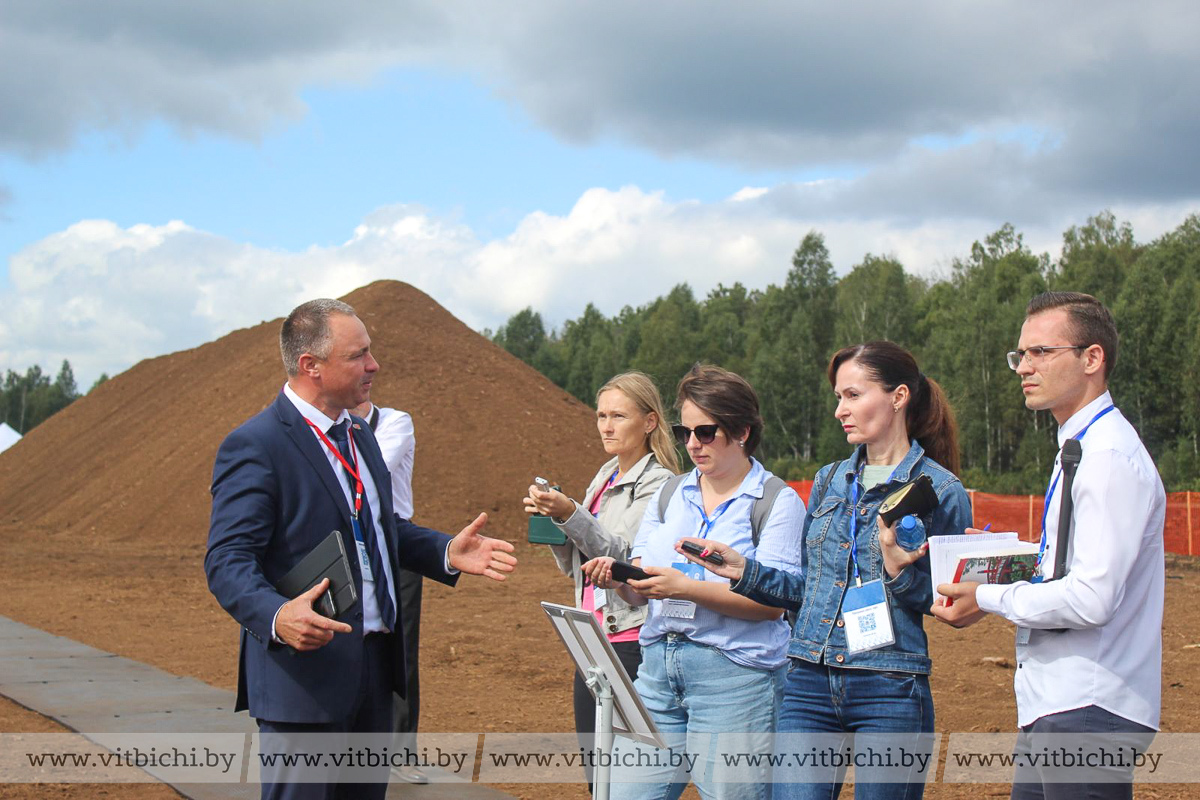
735,562
474,554
303,629
895,558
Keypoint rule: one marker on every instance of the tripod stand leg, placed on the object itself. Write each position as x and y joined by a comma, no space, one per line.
604,732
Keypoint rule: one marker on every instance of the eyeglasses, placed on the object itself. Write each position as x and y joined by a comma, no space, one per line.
705,434
1037,353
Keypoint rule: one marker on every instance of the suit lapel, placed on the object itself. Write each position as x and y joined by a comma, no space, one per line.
308,444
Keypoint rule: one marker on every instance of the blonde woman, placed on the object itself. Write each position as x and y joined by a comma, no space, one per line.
631,422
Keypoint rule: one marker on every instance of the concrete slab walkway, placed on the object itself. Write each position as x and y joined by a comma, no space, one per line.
104,696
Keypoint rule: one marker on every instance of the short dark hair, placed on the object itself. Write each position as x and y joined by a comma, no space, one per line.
306,330
726,397
1091,322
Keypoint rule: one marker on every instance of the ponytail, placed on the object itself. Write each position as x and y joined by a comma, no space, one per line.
931,422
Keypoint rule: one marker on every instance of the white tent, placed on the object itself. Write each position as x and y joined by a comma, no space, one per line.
8,437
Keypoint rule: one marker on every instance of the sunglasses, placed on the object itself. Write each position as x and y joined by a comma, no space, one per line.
705,434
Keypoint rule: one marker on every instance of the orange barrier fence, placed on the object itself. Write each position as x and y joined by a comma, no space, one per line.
1023,514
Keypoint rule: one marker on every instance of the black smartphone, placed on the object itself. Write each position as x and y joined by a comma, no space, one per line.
626,572
696,550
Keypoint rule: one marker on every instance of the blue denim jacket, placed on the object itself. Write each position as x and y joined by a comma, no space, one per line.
818,635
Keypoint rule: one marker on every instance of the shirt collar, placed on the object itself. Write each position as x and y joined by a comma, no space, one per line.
752,484
903,471
311,413
1082,417
634,472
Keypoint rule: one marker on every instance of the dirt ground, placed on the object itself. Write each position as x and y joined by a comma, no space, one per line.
484,641
121,477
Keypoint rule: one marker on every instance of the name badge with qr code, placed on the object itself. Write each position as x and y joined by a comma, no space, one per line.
868,618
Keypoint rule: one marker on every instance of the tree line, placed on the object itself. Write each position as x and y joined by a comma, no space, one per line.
28,399
959,327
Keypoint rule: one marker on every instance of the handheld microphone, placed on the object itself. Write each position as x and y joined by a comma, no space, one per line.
1072,453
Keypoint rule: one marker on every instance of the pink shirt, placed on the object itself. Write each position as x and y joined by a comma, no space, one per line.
588,601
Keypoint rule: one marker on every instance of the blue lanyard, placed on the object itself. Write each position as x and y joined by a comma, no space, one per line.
854,525
707,524
1054,485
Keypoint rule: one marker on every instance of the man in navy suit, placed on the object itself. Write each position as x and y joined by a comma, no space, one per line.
282,482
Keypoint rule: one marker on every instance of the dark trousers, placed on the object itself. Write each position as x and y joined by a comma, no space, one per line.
630,656
372,713
1090,732
407,710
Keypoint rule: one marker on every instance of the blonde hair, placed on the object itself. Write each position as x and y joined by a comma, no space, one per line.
638,387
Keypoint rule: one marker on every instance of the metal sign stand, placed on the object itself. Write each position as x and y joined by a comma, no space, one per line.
602,689
618,707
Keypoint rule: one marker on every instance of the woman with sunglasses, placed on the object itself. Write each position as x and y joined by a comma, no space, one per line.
711,659
630,419
858,657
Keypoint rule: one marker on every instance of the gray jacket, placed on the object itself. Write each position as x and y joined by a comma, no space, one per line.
611,532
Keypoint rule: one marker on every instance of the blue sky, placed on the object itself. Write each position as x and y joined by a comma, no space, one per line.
422,136
168,174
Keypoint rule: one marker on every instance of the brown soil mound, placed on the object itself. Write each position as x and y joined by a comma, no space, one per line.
132,461
119,481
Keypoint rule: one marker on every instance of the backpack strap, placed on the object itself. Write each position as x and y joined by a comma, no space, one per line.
825,483
668,491
761,510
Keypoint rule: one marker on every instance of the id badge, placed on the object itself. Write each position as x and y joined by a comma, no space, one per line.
683,609
599,597
867,616
1023,636
364,561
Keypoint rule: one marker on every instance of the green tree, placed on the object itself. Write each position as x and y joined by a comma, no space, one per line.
874,302
669,339
978,321
792,344
1096,258
28,400
523,335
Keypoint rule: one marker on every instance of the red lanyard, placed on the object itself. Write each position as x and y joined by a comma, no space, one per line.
358,484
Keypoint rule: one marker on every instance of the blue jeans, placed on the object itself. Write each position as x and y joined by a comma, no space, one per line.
706,707
823,706
1090,731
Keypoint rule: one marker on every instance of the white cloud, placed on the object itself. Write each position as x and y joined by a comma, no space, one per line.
105,297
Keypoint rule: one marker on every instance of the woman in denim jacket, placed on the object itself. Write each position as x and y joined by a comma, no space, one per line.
903,427
630,418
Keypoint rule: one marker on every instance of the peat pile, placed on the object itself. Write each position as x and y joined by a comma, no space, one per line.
132,460
104,507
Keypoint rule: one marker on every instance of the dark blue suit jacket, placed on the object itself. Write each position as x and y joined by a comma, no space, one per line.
275,498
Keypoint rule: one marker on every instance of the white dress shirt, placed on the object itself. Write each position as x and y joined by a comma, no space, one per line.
1111,601
397,440
372,619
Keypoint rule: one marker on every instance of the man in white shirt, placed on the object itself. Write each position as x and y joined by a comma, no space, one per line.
1089,643
397,440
